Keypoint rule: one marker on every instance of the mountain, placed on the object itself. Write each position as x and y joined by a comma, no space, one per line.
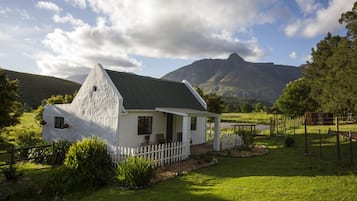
34,88
77,78
234,77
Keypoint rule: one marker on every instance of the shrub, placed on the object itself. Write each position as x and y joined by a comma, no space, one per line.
61,180
135,172
60,149
247,137
40,154
90,162
289,142
9,173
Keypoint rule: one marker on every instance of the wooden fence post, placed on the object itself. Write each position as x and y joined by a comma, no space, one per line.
351,147
306,151
338,150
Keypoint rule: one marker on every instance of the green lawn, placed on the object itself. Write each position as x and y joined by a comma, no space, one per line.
257,118
284,174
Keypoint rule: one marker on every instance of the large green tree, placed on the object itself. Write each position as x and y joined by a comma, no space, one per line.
10,107
332,72
213,101
295,99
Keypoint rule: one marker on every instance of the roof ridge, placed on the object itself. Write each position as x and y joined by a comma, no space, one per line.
143,76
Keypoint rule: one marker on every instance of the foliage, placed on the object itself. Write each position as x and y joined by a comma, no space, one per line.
135,172
295,99
246,108
60,149
213,101
10,107
40,154
9,173
332,72
289,142
259,107
61,181
90,162
54,99
247,137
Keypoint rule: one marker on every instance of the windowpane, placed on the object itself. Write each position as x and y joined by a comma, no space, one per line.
59,122
193,123
144,125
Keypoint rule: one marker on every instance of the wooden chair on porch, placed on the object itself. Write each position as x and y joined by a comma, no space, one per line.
160,138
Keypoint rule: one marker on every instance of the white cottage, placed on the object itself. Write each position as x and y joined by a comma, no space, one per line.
129,110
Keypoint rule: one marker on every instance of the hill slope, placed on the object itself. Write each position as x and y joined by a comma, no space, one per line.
34,88
234,77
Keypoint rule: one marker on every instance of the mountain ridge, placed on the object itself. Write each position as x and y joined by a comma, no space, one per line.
235,77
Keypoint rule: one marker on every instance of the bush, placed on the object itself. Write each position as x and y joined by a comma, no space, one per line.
135,172
289,142
247,137
9,173
90,162
61,180
40,154
60,149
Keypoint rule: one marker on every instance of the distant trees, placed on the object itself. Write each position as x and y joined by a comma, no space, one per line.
10,107
295,99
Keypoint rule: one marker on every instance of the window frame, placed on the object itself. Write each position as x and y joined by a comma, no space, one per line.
59,122
145,124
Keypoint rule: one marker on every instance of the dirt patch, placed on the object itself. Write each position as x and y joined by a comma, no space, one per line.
181,168
256,150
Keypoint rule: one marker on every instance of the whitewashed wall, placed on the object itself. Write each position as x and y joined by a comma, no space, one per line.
92,113
128,128
198,136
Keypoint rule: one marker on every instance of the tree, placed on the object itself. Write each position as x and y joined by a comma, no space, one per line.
213,101
259,107
10,107
246,108
333,70
295,99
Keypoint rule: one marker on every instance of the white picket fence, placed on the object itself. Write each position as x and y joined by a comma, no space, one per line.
230,141
159,154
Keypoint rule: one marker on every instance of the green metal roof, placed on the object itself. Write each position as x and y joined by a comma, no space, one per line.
141,92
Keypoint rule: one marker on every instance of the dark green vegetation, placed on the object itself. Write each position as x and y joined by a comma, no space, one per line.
331,75
10,108
135,172
234,77
295,99
34,88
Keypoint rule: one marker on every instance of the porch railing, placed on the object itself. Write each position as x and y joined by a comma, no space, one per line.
159,154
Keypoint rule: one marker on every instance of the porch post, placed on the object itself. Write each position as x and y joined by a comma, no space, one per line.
186,121
217,128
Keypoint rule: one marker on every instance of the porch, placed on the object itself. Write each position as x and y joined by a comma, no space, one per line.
191,132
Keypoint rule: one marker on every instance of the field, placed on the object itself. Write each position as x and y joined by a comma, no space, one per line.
283,174
257,118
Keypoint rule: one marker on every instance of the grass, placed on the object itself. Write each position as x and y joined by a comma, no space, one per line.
284,174
257,118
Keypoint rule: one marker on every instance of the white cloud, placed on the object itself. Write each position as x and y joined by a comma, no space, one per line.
68,19
5,11
48,6
321,21
308,6
293,55
79,3
156,28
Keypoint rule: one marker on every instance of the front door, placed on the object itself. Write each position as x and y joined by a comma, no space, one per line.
169,127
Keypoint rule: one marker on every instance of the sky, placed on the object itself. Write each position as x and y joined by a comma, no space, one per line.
153,37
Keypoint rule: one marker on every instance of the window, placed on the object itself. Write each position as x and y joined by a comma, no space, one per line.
144,125
193,123
95,88
59,122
